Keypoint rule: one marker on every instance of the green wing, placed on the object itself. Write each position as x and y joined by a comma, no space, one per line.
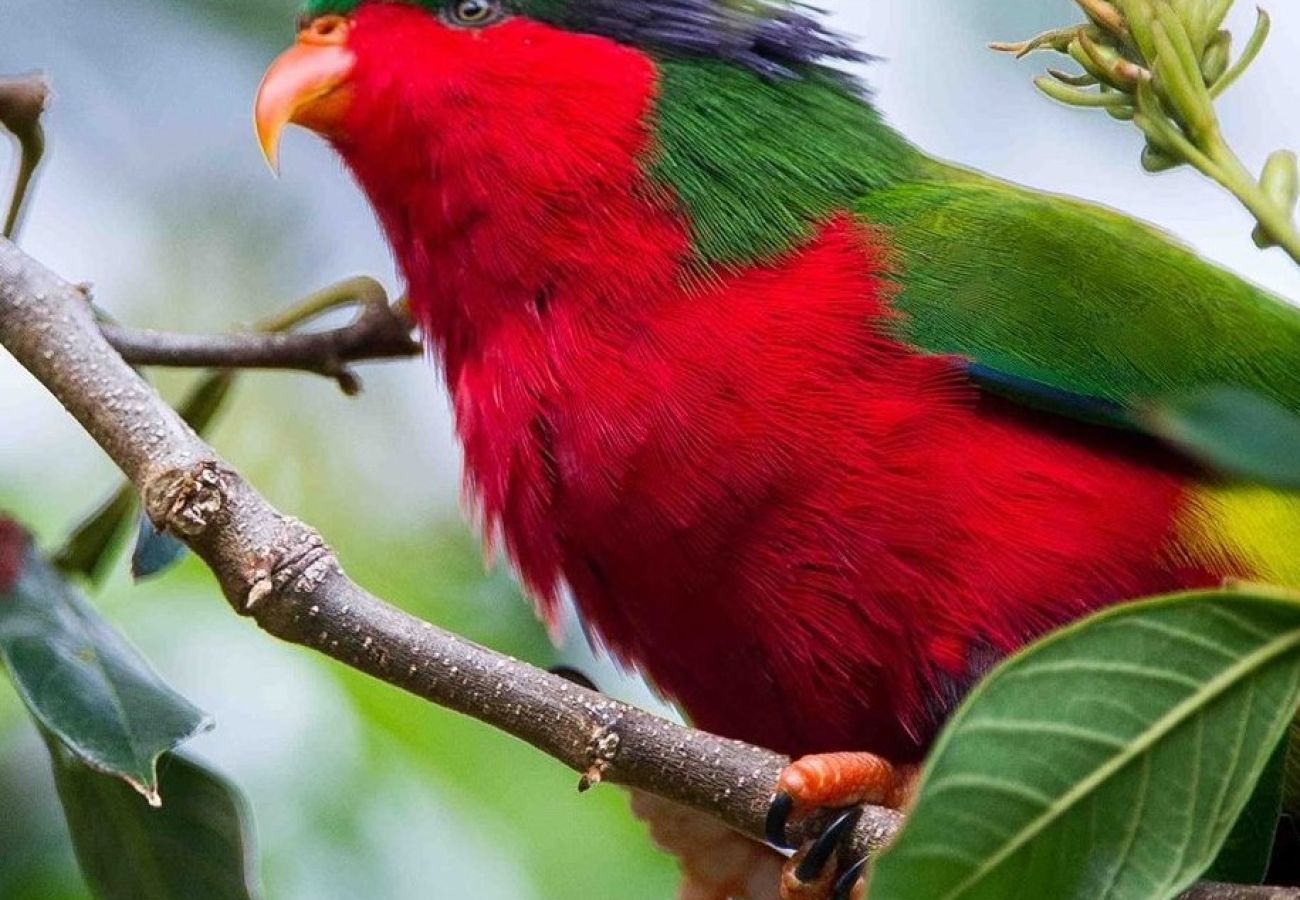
1075,297
1077,308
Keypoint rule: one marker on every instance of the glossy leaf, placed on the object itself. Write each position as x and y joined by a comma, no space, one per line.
1109,761
197,846
1235,431
85,683
1246,854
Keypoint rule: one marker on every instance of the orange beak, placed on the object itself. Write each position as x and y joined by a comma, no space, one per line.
307,85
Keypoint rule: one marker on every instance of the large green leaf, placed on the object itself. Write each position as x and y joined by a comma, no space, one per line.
197,846
1291,783
84,683
1110,761
1246,853
1234,431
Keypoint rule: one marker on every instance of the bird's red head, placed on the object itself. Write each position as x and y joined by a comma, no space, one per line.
468,124
467,76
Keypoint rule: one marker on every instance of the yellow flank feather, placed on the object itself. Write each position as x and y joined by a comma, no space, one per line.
1251,531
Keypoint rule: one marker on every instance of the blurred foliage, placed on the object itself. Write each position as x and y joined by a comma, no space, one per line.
1236,432
90,691
196,846
503,793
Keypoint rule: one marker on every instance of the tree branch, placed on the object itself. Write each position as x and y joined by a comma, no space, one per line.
280,572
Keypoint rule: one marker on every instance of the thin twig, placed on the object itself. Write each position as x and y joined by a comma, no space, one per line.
380,331
22,101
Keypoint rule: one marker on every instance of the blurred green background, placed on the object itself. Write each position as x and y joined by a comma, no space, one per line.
155,193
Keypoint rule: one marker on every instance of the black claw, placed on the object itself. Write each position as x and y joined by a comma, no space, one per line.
819,854
848,881
778,816
844,887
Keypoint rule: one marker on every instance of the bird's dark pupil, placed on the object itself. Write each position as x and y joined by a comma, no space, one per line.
473,9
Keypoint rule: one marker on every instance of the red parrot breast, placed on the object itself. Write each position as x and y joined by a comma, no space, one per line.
806,532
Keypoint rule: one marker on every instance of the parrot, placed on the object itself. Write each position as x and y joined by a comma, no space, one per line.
808,423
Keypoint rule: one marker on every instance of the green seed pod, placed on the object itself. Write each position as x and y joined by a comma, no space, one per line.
1155,160
1281,180
1104,15
1217,58
1076,97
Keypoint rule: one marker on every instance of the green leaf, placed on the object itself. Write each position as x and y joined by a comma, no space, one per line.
1248,850
83,682
1236,431
91,548
1109,761
197,846
207,399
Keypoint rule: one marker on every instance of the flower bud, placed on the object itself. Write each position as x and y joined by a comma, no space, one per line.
1217,57
1155,160
1281,180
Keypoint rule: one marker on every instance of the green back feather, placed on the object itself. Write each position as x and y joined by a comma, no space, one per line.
1076,296
758,163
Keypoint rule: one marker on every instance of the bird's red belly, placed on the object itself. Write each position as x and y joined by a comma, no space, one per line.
806,626
806,533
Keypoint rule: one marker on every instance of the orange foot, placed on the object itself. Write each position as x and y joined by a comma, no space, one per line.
832,781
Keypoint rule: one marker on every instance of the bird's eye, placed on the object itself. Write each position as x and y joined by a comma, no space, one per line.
474,13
